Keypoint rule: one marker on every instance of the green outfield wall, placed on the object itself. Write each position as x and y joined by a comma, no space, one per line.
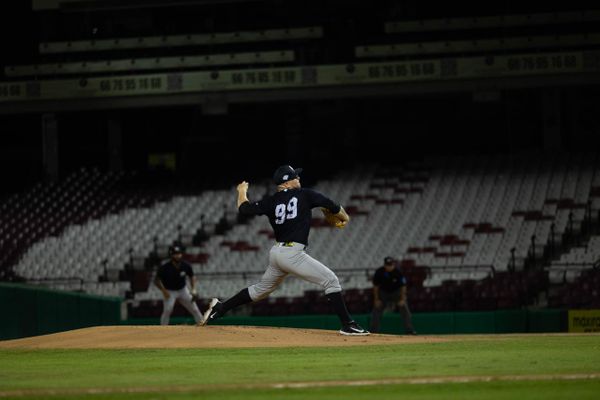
30,310
502,321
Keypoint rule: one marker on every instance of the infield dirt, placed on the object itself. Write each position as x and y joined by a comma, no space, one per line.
182,336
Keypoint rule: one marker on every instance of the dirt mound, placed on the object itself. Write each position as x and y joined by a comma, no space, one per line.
180,336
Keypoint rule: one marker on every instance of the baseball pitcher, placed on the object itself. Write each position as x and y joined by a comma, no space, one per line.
289,213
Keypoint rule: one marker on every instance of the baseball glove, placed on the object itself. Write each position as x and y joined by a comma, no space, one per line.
332,219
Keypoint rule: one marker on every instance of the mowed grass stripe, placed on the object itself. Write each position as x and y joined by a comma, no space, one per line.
530,390
304,385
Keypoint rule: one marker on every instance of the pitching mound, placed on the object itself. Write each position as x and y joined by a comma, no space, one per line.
179,336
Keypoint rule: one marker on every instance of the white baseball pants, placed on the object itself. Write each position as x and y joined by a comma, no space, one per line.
290,258
185,298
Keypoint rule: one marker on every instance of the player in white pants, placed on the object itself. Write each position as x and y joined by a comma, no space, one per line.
290,258
171,279
289,212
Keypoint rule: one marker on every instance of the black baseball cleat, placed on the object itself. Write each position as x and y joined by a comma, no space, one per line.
353,329
213,312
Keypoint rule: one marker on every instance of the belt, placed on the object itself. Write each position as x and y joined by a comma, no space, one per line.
290,244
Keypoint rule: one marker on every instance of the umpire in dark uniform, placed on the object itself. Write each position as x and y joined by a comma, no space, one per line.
389,289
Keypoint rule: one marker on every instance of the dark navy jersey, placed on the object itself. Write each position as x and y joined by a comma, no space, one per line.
389,281
173,277
289,212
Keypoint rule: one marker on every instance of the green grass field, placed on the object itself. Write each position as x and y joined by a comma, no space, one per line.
493,367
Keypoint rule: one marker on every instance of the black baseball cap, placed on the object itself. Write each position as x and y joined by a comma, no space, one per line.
175,249
388,260
285,173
